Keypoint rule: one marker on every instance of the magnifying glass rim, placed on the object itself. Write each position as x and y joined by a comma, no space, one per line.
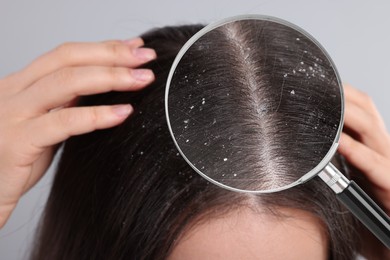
324,162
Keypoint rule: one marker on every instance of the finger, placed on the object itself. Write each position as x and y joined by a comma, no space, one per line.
15,82
369,129
66,84
372,164
111,53
57,126
362,100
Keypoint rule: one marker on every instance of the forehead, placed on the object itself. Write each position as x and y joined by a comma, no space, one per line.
245,234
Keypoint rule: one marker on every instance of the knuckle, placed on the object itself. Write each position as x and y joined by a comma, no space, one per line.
65,50
93,116
66,119
115,50
114,74
121,75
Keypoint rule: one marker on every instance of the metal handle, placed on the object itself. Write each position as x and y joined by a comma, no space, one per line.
359,203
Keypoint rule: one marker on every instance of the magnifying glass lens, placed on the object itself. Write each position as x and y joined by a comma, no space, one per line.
254,105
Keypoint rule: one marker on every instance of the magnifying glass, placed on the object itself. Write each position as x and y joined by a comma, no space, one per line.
260,92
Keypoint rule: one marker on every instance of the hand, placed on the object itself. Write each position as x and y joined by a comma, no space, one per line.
366,146
36,111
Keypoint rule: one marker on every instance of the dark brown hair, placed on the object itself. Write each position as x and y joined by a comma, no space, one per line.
126,193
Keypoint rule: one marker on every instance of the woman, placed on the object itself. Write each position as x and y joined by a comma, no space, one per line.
126,193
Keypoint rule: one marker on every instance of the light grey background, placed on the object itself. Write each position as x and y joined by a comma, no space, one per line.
355,33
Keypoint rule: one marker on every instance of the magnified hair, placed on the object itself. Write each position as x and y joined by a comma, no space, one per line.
254,93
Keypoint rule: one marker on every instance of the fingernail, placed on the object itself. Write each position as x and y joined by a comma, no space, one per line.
144,54
122,110
143,74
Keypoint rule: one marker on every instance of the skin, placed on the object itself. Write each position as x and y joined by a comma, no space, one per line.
246,234
37,114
